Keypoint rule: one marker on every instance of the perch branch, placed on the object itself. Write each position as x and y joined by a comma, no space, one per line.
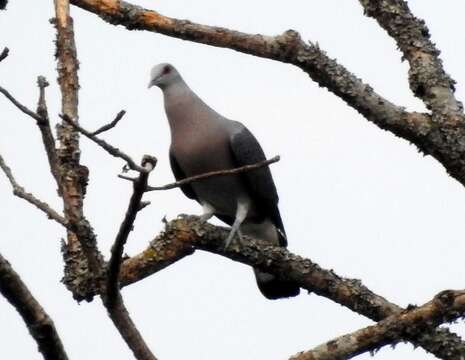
39,324
20,192
446,306
111,125
113,300
103,144
183,235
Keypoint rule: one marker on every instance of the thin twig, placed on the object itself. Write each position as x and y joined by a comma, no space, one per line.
20,106
38,322
210,174
44,126
20,192
103,144
447,306
113,299
111,125
4,54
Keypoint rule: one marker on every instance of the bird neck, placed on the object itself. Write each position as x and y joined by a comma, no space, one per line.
184,109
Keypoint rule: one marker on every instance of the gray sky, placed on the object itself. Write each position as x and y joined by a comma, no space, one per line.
353,197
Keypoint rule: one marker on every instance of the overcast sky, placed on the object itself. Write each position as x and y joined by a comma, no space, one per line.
354,198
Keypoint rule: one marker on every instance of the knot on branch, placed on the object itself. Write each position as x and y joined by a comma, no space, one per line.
288,44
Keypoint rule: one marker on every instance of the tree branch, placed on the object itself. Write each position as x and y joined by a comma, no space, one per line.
47,136
113,300
427,77
428,81
183,235
20,192
103,144
83,269
39,324
204,176
111,125
20,106
445,143
447,306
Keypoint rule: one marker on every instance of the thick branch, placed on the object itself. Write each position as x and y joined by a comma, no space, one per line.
39,324
183,235
103,144
428,79
447,306
287,47
112,299
444,143
81,252
20,192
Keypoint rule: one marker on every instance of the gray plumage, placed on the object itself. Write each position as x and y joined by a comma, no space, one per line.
201,141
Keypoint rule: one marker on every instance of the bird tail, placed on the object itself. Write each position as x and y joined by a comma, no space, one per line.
273,288
270,286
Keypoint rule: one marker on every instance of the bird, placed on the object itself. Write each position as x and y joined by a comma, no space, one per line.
202,140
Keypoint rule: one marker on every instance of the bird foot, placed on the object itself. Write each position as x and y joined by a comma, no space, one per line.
232,237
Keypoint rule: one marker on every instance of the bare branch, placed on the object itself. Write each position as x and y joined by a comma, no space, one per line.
185,234
103,144
44,126
20,192
39,324
428,79
20,106
214,173
447,306
4,54
287,47
445,143
111,125
113,299
210,174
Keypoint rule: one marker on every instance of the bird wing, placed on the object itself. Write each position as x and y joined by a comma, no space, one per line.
179,175
247,151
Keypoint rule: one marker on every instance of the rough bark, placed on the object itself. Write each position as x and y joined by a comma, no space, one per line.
443,140
428,81
82,258
187,233
447,306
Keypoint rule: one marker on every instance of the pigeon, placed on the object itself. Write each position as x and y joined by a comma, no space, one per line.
202,141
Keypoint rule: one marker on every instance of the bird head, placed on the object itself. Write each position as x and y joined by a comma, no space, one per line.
163,75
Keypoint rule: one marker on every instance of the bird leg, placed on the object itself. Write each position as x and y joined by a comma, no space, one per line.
208,212
241,213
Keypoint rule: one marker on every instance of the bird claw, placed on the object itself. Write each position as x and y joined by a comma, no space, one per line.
230,238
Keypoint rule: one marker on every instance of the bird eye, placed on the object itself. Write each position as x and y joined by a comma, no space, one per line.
166,70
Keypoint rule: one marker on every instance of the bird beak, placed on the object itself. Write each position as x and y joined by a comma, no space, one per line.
150,84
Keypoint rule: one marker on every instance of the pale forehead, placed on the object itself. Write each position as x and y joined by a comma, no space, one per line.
157,69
